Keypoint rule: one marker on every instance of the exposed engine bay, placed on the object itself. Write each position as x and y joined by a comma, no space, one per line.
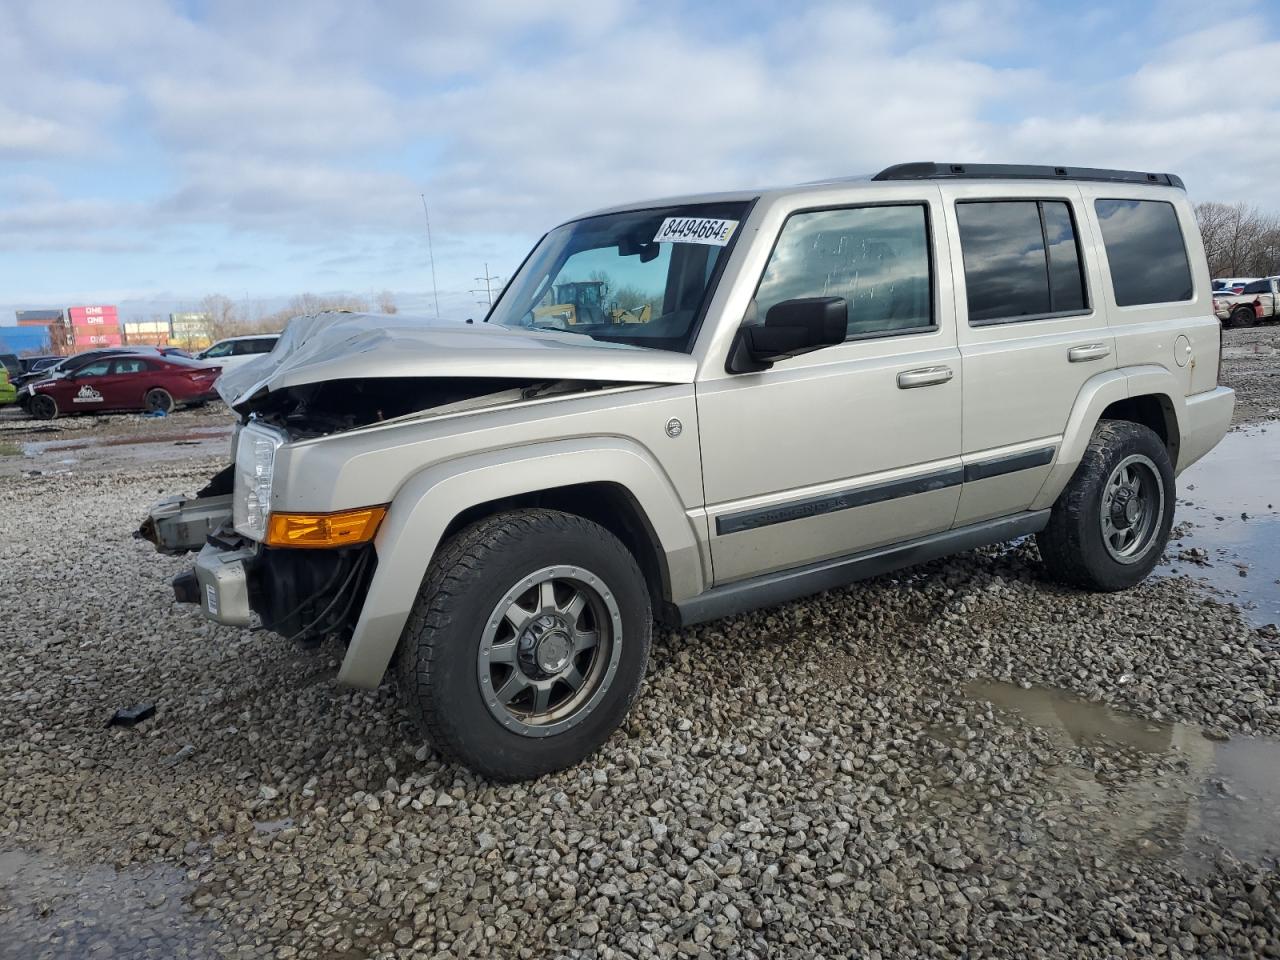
333,406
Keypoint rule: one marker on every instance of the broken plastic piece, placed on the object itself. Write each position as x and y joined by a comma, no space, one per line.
131,716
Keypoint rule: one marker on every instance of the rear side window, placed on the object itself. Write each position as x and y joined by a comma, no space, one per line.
1145,251
1021,260
877,258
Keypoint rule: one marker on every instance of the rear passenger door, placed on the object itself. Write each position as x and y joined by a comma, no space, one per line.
127,382
1032,330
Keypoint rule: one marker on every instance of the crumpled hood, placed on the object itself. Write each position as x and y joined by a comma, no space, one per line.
352,346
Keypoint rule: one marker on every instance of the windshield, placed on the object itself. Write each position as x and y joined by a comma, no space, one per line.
639,277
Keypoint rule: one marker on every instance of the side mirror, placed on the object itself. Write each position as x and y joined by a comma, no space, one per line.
790,328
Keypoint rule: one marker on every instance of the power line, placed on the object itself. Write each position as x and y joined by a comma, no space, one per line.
431,255
487,280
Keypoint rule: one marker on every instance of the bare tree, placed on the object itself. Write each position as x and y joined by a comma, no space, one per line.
224,319
386,302
1239,241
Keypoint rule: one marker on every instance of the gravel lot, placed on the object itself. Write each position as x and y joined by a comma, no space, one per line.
965,759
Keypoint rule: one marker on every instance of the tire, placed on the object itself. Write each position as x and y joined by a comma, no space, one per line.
1076,547
158,398
1243,317
42,406
463,649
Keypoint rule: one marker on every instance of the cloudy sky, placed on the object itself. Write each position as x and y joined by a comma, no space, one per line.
153,152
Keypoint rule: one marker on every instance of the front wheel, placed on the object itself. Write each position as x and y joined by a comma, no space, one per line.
42,407
527,643
1110,525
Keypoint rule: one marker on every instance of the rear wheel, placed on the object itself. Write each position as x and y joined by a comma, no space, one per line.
527,644
158,399
42,407
1243,316
1111,523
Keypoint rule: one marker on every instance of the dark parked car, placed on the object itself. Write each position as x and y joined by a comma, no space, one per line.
124,381
30,364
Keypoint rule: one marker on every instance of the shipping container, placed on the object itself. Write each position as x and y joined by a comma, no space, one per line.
95,311
38,318
149,333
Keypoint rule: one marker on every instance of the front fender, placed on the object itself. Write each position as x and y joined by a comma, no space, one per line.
428,502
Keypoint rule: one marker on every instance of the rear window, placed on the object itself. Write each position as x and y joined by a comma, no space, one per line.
1145,251
1021,260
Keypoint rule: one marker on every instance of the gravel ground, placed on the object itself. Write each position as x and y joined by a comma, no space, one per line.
1251,365
965,759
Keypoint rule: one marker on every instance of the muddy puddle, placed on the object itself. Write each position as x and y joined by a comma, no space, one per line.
1229,519
55,909
1149,790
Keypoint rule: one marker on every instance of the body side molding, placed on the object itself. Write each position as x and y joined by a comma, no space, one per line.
774,588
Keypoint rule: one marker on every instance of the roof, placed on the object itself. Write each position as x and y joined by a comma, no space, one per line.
247,336
926,170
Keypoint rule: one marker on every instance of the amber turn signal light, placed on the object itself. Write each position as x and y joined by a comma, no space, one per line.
346,528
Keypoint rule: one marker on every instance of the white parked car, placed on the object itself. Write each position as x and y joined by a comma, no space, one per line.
237,351
792,389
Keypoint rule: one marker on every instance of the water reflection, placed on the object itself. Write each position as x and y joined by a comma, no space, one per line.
52,909
1206,795
1229,517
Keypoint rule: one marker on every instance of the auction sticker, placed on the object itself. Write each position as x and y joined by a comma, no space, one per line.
696,230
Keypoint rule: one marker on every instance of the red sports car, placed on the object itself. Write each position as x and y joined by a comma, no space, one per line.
124,382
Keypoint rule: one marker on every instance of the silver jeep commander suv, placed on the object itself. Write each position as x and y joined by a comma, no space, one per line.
681,409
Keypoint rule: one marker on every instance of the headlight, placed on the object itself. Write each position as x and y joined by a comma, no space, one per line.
255,466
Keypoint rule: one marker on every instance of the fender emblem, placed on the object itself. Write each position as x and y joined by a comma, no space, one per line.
674,427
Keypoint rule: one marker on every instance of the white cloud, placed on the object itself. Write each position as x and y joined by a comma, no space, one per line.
311,128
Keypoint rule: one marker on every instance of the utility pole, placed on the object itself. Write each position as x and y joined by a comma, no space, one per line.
487,280
431,255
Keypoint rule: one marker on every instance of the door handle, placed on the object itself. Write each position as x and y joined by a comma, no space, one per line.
1089,351
924,377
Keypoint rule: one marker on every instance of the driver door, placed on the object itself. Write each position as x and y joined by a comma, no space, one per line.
853,446
83,388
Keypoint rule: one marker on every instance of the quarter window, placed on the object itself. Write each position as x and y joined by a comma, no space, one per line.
1145,251
877,258
1021,260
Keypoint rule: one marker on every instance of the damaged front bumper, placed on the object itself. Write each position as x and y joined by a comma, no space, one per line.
239,582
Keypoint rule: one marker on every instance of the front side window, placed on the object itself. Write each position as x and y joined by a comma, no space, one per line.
876,258
97,369
640,277
1145,251
1258,286
1021,260
219,350
132,365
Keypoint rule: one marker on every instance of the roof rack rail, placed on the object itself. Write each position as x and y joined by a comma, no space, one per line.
1018,171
